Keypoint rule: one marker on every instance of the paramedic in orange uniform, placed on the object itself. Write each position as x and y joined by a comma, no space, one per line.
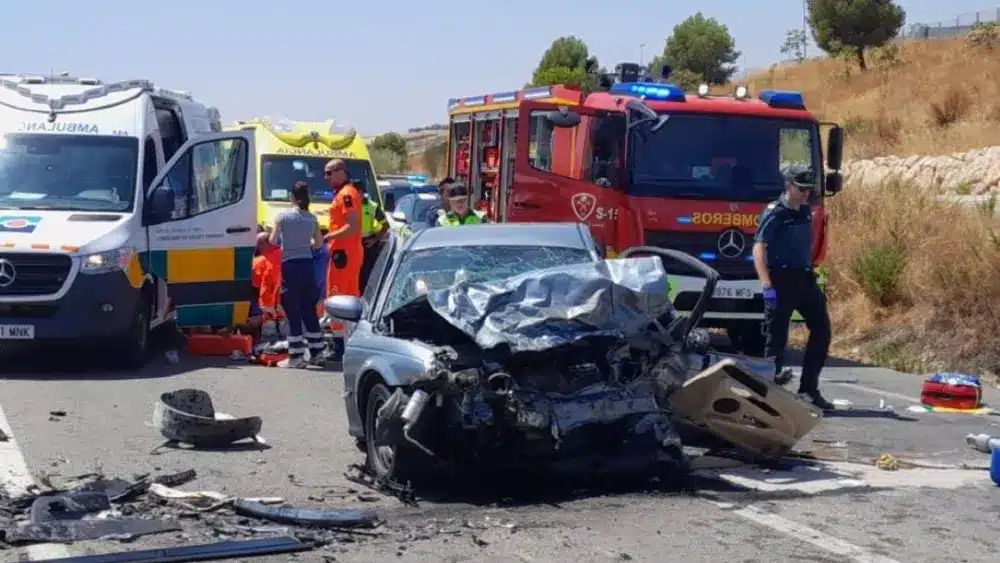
344,236
267,275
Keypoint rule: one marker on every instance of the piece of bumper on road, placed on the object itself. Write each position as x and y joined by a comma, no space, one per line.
96,306
751,413
316,517
188,416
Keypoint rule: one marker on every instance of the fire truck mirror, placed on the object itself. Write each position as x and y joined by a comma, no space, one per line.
835,148
563,118
834,183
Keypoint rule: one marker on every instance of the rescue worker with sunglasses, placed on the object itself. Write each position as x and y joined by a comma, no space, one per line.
782,256
459,211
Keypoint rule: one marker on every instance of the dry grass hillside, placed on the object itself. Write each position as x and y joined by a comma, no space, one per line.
915,282
919,97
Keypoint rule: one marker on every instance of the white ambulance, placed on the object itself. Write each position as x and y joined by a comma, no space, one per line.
122,206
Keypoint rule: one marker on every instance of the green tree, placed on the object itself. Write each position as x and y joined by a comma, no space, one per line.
854,25
794,46
392,142
386,161
702,46
567,61
434,158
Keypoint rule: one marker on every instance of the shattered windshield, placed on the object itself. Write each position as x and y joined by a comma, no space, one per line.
429,269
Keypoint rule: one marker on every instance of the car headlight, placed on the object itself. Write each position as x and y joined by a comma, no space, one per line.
107,261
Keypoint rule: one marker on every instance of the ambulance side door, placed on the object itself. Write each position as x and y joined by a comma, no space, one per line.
557,176
201,218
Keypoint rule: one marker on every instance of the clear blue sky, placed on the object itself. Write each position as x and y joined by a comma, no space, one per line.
380,64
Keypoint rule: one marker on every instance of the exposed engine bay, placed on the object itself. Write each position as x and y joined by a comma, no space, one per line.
573,367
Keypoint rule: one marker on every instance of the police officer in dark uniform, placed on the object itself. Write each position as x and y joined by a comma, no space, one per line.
782,256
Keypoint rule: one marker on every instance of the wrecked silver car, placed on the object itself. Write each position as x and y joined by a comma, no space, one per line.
517,345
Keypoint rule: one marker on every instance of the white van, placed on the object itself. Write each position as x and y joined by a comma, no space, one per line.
122,206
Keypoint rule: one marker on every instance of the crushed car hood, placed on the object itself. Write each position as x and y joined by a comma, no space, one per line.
543,309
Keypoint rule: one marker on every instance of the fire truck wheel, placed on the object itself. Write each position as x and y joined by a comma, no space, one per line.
747,337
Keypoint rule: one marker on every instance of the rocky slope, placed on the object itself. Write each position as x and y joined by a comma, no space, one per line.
973,172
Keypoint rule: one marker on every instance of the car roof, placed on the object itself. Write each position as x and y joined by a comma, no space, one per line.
567,235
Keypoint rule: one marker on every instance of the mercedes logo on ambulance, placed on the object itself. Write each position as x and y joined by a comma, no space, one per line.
732,243
7,272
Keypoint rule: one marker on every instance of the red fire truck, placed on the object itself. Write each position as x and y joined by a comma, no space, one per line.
645,164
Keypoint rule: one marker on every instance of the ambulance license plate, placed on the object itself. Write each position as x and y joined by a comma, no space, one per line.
722,292
17,332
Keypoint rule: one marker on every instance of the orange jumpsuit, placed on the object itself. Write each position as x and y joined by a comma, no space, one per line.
345,280
267,279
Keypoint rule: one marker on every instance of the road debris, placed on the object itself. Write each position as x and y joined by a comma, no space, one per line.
315,517
187,416
888,462
212,551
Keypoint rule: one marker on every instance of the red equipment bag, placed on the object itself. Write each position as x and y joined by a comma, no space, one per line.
952,390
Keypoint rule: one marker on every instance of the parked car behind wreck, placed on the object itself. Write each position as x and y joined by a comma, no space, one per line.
517,345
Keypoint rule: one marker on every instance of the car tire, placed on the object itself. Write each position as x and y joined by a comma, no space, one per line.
405,462
747,337
131,350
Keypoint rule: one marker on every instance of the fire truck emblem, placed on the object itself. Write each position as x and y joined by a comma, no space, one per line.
734,207
584,206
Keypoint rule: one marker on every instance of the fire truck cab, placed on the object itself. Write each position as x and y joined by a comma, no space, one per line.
644,163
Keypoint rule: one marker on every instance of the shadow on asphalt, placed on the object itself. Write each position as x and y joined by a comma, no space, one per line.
519,489
868,413
74,362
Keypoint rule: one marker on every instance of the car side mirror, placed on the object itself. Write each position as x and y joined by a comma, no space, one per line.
344,307
399,216
160,204
835,148
834,183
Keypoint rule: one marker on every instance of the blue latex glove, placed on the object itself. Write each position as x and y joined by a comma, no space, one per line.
770,297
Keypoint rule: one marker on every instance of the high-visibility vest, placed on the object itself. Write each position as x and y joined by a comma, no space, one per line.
370,222
451,219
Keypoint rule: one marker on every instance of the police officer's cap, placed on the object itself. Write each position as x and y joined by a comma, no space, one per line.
456,190
802,179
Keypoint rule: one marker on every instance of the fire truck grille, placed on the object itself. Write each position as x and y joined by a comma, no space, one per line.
33,273
738,267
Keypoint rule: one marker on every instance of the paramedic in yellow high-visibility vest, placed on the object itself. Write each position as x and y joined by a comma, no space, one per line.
459,211
374,229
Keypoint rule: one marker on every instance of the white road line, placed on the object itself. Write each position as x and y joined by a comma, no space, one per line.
804,533
881,393
16,480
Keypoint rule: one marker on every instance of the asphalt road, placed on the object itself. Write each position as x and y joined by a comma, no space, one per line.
840,509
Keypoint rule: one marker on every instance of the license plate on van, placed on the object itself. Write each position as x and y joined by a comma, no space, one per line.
17,332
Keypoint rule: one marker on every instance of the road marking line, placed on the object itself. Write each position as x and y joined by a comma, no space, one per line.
16,480
804,533
873,391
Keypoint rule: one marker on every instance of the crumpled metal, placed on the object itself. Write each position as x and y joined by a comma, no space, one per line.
544,309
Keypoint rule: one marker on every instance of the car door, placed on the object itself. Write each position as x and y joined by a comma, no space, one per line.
556,177
204,250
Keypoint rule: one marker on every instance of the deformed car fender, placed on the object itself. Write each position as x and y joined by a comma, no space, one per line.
400,364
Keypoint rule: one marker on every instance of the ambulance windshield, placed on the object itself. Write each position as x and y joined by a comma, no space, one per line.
720,157
68,172
280,172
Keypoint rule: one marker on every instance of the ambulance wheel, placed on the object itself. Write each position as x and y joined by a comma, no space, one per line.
747,337
132,348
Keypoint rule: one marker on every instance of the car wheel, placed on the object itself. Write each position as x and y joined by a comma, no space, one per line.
398,462
747,337
132,348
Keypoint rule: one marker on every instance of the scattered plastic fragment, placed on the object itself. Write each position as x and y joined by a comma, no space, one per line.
221,550
982,442
63,531
318,517
887,462
188,416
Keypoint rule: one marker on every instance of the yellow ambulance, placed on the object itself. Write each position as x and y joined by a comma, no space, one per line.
293,151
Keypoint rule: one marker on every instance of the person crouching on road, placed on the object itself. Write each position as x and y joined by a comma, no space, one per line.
432,211
460,212
782,256
299,233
